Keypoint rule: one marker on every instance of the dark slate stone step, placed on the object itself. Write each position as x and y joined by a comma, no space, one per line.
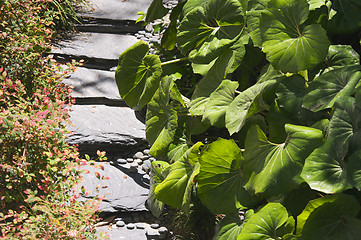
124,192
95,45
107,128
94,87
101,25
117,9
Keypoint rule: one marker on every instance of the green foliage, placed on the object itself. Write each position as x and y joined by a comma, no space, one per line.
274,98
39,171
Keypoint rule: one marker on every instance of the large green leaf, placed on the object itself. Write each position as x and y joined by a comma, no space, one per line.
169,38
207,30
156,10
324,169
354,169
209,83
328,169
266,223
347,19
331,217
345,124
327,88
220,180
288,46
192,4
342,55
245,105
175,190
254,8
290,93
158,173
138,75
219,100
161,119
275,168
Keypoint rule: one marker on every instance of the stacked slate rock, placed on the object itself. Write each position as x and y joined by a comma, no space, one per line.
101,120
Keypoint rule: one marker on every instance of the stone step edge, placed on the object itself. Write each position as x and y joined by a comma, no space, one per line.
113,102
103,25
88,62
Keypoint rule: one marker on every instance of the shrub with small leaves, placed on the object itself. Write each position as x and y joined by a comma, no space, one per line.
40,173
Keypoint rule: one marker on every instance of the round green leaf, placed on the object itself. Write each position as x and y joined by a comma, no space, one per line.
156,10
138,75
331,217
342,55
345,124
327,88
175,190
209,29
220,180
290,93
273,169
161,119
266,222
354,169
219,100
288,45
324,169
255,8
209,83
245,105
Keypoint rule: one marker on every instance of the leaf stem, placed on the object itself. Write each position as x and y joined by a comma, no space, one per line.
238,92
174,61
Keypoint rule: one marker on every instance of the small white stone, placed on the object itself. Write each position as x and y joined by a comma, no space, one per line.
130,226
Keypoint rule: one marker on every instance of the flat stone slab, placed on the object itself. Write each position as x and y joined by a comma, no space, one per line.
95,45
109,128
117,9
123,191
91,83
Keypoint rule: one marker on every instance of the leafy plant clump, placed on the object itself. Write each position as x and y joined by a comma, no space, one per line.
39,171
265,129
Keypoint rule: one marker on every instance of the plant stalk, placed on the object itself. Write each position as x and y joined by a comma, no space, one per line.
174,61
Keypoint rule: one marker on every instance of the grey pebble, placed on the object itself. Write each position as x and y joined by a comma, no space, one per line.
130,226
120,223
149,28
148,34
141,172
146,166
154,225
154,40
138,161
121,161
144,39
138,155
151,232
152,159
162,230
146,151
130,160
140,225
142,32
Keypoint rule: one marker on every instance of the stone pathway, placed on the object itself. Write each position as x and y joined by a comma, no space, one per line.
102,121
